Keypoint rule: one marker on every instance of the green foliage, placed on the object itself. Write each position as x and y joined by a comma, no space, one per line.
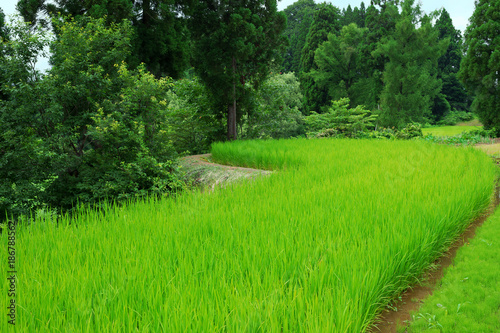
235,42
455,117
277,110
410,131
468,296
193,118
90,129
410,82
453,94
160,37
325,21
465,138
338,62
340,120
299,17
480,68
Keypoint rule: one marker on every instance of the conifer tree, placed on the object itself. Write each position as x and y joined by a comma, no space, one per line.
299,18
326,20
480,68
453,94
410,76
338,62
235,42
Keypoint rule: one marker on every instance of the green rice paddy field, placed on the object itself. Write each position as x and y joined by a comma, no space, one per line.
322,245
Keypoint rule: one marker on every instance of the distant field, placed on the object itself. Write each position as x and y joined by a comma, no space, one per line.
449,130
320,245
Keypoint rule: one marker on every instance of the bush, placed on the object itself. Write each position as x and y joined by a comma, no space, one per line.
455,117
340,121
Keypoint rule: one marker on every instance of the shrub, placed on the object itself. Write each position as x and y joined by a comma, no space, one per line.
455,117
340,120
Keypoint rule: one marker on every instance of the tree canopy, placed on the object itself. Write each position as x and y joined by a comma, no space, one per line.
480,68
235,42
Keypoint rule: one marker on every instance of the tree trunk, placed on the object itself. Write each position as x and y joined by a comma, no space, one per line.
231,109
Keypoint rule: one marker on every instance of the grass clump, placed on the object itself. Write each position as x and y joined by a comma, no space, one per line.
468,299
321,245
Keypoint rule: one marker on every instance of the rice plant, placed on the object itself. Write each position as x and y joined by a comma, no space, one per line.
321,245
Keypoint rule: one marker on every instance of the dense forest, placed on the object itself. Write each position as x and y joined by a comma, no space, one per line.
135,84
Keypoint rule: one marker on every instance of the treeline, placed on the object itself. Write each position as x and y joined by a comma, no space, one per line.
134,84
389,58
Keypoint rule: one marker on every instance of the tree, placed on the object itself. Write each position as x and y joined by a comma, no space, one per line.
453,94
480,67
277,113
299,17
90,129
4,37
380,23
326,20
410,82
235,41
161,39
337,61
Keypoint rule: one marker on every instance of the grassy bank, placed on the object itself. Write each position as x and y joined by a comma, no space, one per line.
321,245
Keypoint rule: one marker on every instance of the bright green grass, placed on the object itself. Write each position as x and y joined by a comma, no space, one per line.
319,246
449,130
468,299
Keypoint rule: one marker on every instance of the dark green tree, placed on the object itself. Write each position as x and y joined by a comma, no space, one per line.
4,37
235,42
161,37
91,129
410,76
299,17
326,20
380,23
338,60
480,67
448,66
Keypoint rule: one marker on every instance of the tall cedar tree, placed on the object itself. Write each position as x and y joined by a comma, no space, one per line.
235,42
161,36
326,20
299,18
410,82
453,94
380,23
480,68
